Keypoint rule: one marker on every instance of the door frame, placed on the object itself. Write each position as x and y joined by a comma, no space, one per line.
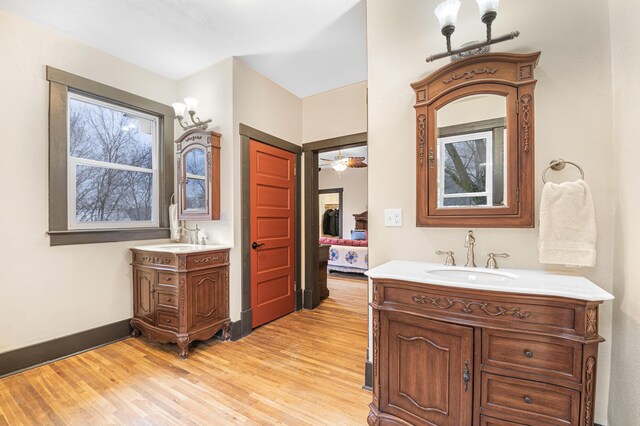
246,135
338,191
311,151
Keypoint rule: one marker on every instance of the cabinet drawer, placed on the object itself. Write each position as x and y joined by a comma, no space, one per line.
489,421
529,400
167,300
207,259
167,320
168,278
540,355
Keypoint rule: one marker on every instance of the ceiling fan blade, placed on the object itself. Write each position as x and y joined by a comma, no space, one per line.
326,159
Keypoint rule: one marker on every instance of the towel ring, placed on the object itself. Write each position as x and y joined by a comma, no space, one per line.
557,165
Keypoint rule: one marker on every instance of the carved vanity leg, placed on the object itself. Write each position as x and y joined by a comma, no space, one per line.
589,384
226,331
135,332
183,344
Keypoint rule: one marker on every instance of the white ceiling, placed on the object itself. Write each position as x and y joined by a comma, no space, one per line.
306,46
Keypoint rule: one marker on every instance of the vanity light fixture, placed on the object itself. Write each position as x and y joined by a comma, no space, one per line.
190,105
447,14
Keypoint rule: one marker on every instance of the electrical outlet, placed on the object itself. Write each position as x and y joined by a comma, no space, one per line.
393,217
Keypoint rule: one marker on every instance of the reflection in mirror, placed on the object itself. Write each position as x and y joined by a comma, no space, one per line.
195,168
471,152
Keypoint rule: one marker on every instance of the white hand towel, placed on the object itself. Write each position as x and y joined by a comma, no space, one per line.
567,224
173,222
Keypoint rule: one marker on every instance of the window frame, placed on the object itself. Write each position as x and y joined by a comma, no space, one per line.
64,85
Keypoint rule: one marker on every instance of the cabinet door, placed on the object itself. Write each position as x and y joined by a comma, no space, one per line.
426,370
144,287
208,297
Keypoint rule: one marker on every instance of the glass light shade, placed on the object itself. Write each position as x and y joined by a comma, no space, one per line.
178,108
486,6
447,12
192,104
340,167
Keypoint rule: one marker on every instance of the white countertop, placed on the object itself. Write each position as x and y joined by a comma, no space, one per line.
177,248
525,281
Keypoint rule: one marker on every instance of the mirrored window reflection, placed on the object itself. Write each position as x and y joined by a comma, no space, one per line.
472,152
195,179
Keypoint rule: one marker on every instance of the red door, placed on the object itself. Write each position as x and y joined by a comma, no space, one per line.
272,232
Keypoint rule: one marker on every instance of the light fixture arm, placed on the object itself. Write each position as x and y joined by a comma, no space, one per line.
467,48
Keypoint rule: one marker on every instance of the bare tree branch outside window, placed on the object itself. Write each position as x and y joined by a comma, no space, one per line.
113,154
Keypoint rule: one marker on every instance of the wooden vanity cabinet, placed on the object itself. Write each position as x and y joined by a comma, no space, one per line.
180,298
450,356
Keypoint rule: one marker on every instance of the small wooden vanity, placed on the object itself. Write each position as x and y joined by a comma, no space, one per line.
180,293
450,355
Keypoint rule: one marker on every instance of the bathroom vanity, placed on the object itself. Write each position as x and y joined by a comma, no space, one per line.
180,293
473,346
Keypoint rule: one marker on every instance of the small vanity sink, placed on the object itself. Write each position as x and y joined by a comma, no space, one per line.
182,248
471,275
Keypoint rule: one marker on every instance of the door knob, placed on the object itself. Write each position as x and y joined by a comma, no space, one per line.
256,245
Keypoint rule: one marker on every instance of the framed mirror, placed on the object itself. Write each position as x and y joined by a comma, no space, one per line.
198,175
475,143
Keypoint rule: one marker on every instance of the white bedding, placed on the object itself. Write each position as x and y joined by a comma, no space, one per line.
348,259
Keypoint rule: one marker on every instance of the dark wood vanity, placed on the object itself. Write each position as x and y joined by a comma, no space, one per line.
455,356
180,297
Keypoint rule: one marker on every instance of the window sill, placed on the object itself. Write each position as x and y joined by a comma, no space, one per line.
90,236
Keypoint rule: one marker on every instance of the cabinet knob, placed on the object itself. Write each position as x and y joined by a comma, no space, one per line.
528,353
168,320
528,399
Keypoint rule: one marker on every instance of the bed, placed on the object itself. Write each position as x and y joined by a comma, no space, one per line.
347,255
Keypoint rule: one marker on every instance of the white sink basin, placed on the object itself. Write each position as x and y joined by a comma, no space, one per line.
524,281
471,275
182,248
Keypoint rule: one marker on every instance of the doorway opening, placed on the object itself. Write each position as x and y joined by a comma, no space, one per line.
330,161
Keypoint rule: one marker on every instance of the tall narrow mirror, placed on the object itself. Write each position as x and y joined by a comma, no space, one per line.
198,173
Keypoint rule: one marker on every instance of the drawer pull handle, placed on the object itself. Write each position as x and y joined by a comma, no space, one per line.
168,320
528,399
169,300
528,353
466,376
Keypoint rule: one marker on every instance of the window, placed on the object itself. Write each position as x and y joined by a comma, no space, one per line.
110,179
112,166
463,164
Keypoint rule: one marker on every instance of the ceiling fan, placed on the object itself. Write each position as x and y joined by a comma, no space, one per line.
340,163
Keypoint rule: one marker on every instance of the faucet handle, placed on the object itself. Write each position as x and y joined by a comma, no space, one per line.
492,263
203,241
449,261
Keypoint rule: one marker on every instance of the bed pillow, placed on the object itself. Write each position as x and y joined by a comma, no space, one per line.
358,235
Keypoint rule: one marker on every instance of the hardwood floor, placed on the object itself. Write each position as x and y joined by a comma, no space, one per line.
304,369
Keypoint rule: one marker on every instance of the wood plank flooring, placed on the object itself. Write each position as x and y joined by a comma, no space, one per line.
304,369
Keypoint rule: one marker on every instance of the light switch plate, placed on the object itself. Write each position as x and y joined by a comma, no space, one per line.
392,217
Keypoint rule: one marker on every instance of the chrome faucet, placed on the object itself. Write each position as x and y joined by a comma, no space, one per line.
196,233
469,243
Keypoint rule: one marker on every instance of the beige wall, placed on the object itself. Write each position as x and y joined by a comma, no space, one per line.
624,396
339,112
573,100
231,93
48,292
354,195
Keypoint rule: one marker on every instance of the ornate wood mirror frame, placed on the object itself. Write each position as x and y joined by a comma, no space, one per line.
503,74
207,177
